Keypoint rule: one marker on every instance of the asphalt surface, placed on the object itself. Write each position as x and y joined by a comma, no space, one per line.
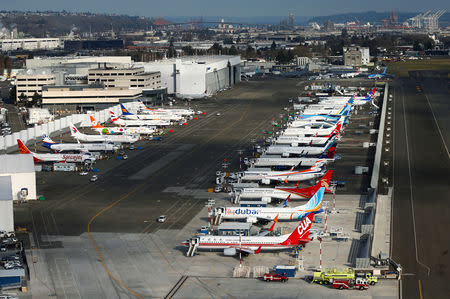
420,240
132,191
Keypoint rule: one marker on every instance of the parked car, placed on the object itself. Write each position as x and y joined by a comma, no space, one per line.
94,178
83,173
162,218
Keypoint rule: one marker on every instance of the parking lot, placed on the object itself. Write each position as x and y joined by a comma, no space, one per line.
87,236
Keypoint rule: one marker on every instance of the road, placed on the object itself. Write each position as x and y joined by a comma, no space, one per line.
421,188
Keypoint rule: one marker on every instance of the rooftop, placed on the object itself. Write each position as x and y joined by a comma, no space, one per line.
19,163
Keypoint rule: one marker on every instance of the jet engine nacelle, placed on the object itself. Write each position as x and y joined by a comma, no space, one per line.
285,155
294,144
229,251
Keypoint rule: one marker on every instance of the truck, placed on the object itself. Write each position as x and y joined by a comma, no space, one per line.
275,277
359,283
327,276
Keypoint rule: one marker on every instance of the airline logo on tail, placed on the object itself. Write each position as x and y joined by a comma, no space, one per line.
22,148
124,110
74,130
113,116
95,123
301,232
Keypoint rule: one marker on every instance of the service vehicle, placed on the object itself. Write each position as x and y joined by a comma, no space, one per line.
359,283
83,173
162,218
326,277
94,178
275,277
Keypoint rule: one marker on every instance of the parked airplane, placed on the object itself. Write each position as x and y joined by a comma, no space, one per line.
274,161
281,193
102,138
302,140
193,96
126,122
343,110
79,158
267,175
182,112
82,147
314,129
231,245
287,151
120,130
351,75
169,117
267,214
378,76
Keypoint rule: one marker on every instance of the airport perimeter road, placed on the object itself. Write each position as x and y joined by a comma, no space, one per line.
421,210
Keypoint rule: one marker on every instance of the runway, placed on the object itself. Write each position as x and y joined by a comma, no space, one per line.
420,240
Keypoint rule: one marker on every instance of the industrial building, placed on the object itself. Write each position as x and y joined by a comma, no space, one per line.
31,44
29,82
356,56
196,76
20,168
125,77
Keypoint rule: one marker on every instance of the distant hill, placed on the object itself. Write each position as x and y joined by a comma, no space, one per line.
42,24
372,16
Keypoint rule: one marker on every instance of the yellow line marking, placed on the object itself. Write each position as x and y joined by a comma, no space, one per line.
420,289
134,191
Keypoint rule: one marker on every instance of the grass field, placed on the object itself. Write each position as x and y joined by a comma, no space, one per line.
400,69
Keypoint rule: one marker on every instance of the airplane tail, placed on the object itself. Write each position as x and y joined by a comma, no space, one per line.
22,147
315,203
74,131
95,123
47,141
357,72
113,116
142,106
329,153
384,71
125,110
301,232
325,181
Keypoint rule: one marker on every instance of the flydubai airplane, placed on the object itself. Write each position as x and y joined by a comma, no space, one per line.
102,138
120,130
128,115
231,245
281,193
79,158
265,176
183,112
267,214
137,122
82,147
314,129
288,151
351,75
378,76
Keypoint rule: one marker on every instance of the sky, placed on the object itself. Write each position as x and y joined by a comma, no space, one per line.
237,8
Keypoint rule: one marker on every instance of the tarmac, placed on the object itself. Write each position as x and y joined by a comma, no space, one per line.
101,240
420,238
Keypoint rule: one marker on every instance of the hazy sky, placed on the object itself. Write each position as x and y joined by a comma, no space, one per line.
225,7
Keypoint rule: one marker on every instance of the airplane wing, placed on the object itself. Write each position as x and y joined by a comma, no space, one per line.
248,250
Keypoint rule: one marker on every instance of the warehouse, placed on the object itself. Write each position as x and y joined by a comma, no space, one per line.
20,168
196,76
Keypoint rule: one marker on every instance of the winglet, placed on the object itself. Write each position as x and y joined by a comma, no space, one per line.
258,250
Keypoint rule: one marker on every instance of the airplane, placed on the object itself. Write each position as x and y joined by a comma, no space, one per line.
123,130
287,151
182,112
82,147
267,175
231,245
193,96
79,158
102,138
351,75
128,115
274,161
138,122
280,193
316,130
297,140
378,76
267,214
343,110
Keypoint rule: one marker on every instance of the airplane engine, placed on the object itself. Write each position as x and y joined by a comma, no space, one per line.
294,144
265,181
285,155
229,251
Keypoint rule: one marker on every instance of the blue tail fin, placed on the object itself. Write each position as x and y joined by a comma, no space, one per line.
125,110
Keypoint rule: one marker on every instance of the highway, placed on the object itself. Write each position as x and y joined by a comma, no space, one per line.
420,240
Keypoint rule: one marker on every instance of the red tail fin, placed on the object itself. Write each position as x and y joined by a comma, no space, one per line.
325,181
22,148
301,232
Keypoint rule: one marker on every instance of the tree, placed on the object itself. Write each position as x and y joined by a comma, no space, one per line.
188,50
228,41
171,52
8,65
22,100
233,50
273,47
36,99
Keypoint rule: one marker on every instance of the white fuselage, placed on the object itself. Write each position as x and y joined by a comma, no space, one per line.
126,130
182,112
161,116
286,151
139,122
106,138
267,160
77,158
251,242
326,111
300,140
291,176
252,214
83,147
268,193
